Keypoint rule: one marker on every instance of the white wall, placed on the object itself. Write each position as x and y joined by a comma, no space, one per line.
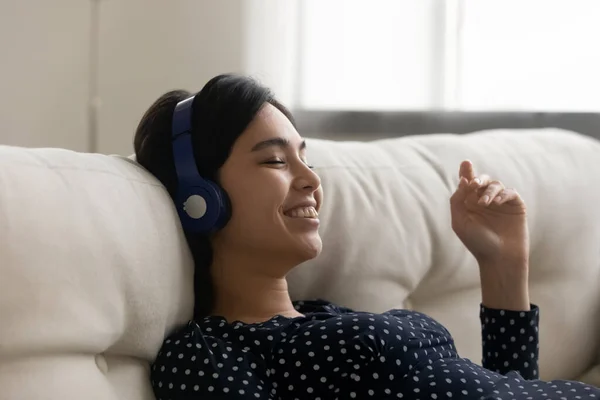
149,47
44,73
146,47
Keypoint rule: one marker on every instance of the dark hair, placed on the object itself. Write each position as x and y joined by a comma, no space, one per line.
221,112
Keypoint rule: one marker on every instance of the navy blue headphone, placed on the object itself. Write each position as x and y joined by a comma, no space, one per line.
202,205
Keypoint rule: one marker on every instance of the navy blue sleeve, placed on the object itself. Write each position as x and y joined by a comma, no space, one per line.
428,366
510,341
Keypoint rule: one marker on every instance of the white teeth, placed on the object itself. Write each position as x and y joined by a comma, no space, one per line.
303,212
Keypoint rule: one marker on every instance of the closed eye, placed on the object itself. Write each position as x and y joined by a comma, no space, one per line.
278,162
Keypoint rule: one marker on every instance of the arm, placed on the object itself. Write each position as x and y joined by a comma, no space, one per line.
505,284
509,323
428,367
510,341
491,222
461,379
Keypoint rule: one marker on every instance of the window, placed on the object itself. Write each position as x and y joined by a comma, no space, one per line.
454,54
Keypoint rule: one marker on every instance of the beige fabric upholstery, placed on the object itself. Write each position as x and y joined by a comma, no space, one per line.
94,270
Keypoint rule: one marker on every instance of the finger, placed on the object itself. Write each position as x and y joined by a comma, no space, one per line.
479,182
508,196
466,170
492,190
459,196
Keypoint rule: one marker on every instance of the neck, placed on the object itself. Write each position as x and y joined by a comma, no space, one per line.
248,290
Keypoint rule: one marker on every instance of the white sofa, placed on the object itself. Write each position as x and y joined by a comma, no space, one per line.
94,270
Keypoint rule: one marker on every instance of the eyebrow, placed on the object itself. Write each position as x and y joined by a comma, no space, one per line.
278,142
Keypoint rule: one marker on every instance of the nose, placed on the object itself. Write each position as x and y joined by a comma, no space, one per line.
307,179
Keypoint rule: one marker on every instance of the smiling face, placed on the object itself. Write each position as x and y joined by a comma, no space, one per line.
275,195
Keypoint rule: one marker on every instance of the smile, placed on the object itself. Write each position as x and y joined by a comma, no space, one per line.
302,212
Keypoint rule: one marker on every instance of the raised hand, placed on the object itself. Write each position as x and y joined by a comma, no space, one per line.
491,221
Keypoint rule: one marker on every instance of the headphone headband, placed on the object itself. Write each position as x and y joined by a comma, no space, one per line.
183,152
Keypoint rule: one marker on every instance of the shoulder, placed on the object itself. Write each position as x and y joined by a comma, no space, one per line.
196,361
184,345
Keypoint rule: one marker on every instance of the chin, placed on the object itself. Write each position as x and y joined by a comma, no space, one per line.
310,249
302,241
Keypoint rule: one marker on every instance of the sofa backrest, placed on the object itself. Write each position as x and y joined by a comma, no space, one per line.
95,271
389,242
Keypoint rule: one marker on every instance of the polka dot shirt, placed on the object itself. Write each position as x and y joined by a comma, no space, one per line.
336,353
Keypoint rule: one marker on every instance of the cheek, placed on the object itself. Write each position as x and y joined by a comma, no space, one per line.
256,200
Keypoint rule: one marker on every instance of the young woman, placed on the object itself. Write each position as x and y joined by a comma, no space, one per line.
257,218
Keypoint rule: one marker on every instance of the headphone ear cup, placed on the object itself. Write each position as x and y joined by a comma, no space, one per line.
223,204
202,207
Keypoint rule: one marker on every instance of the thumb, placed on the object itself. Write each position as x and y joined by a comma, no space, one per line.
466,170
457,201
458,209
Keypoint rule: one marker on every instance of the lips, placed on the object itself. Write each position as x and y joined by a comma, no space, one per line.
302,212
